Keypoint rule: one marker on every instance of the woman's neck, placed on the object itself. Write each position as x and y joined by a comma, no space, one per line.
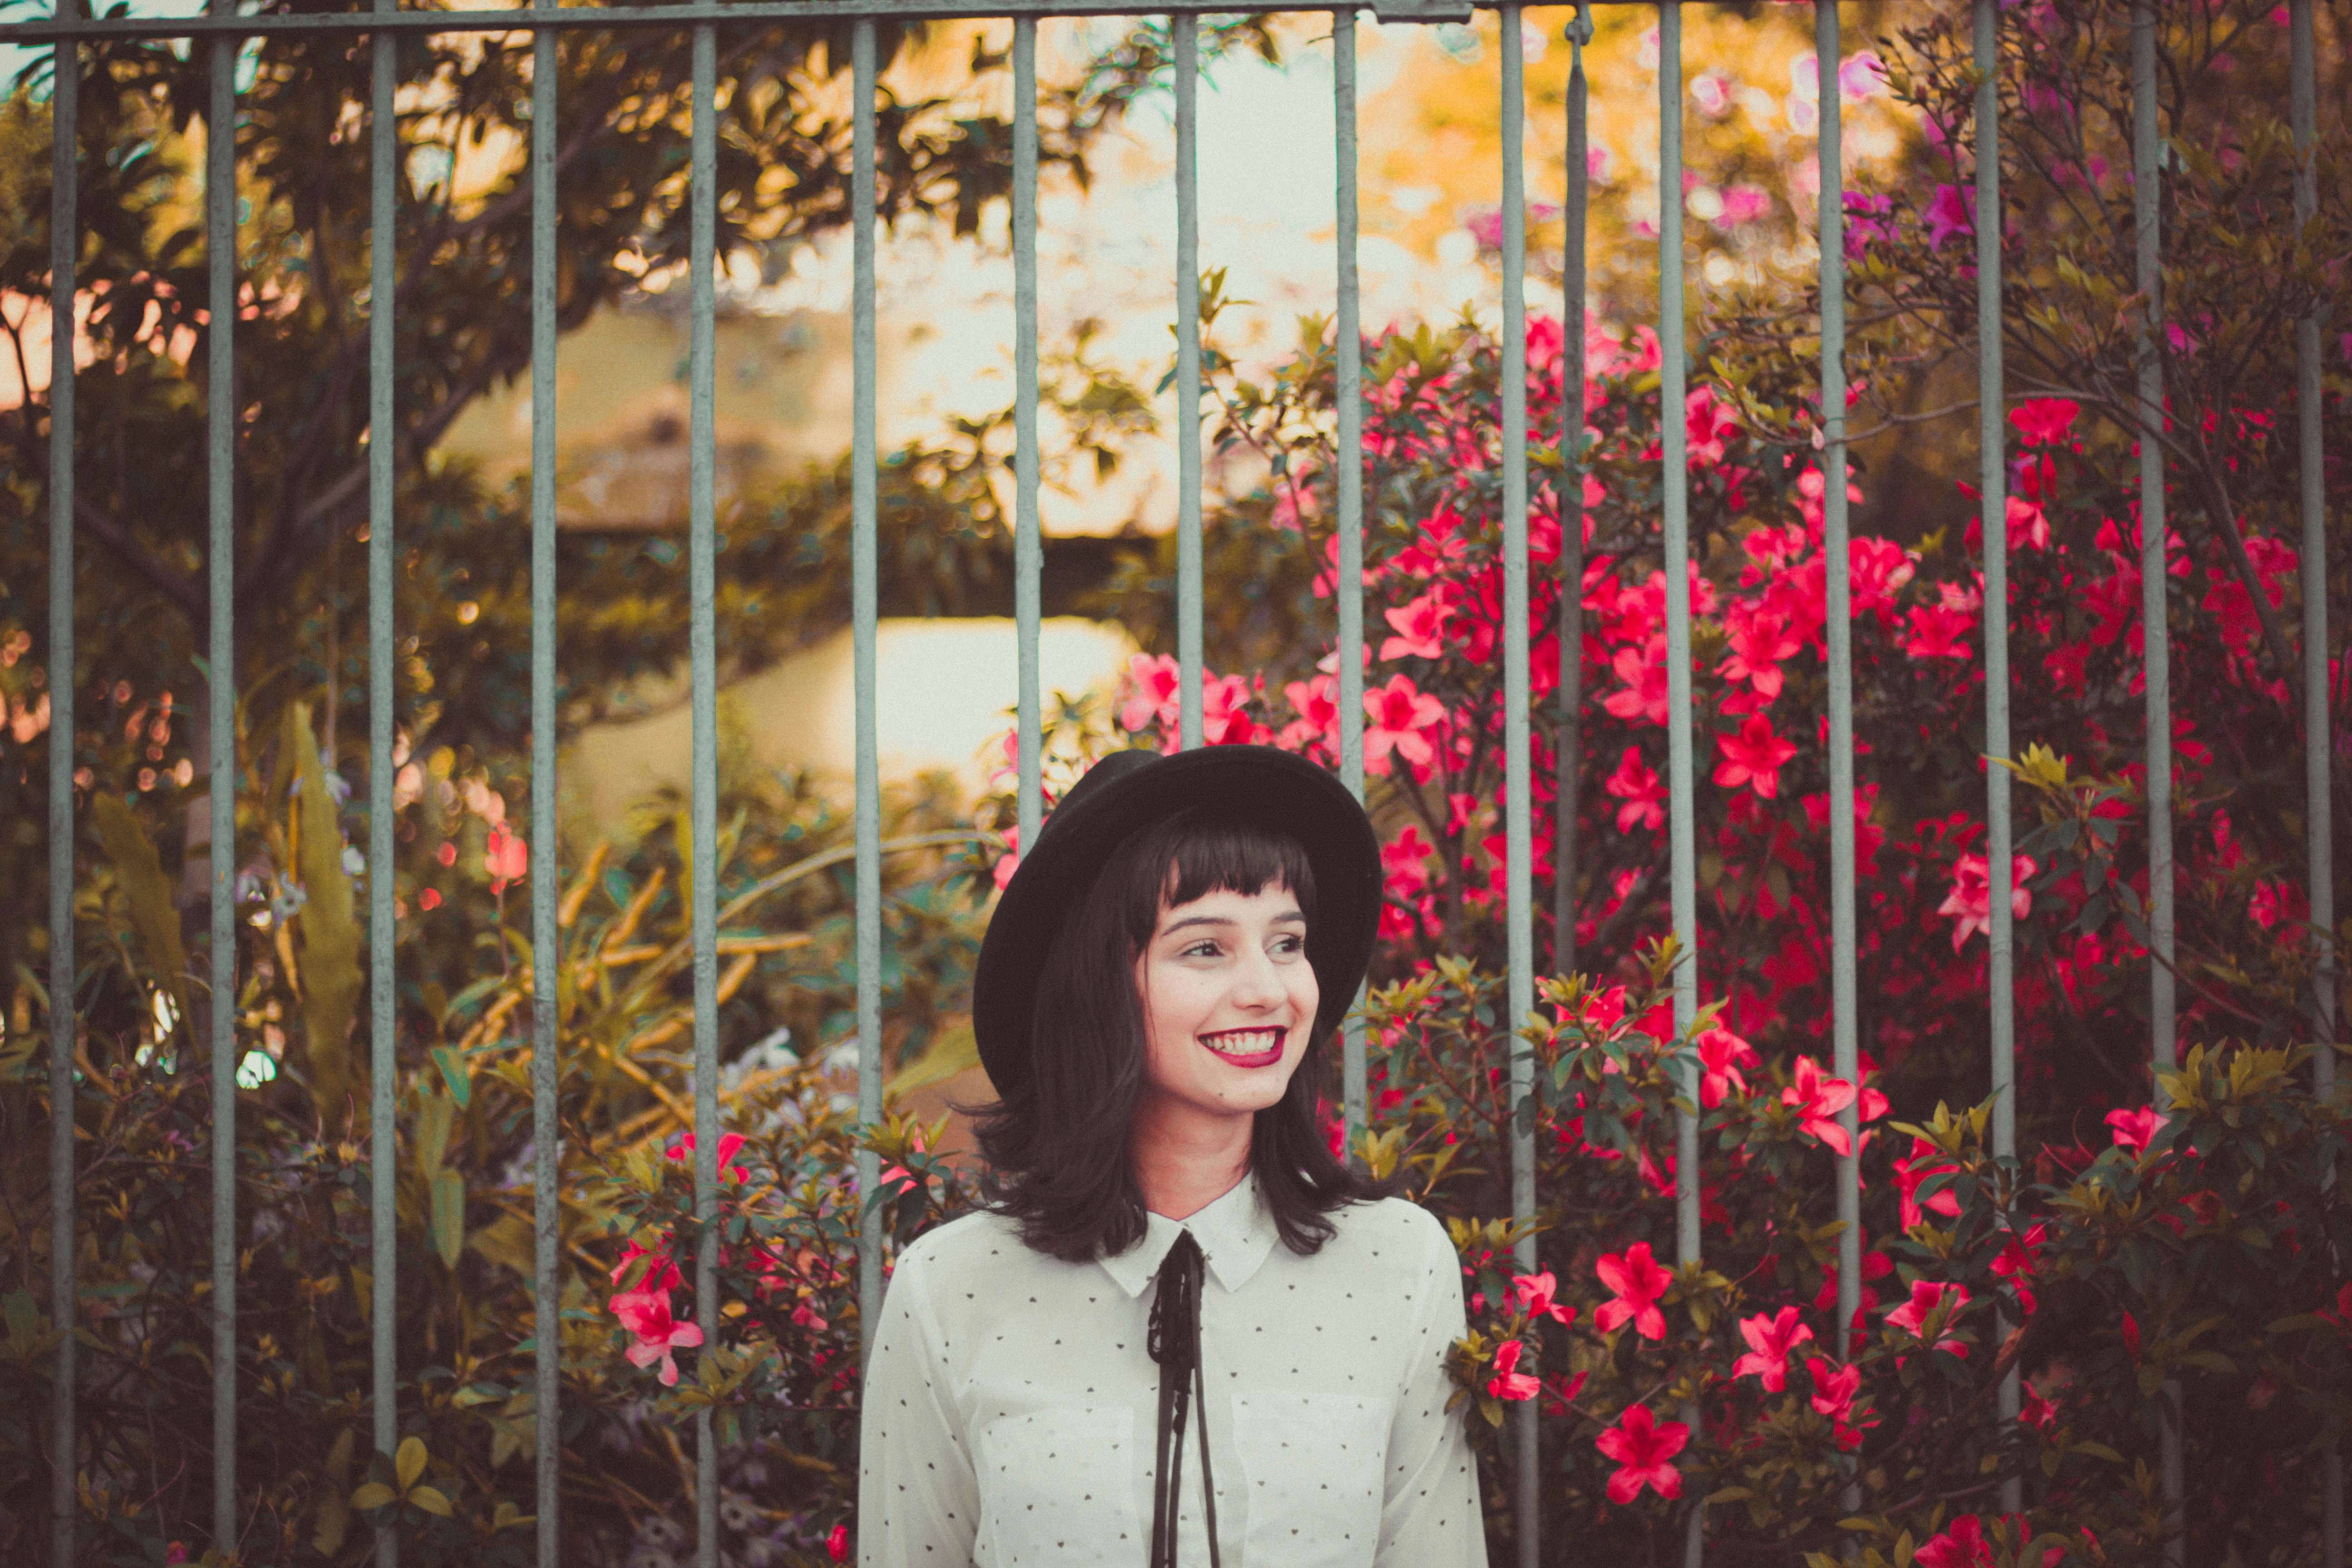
1184,1160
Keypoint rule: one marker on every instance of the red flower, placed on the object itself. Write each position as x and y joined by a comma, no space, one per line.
1638,785
1932,1306
662,1274
837,1546
1644,671
1421,627
1754,757
1961,1546
1970,899
1509,1383
2035,1411
1721,1054
647,1315
1925,1160
1154,686
1643,1450
2136,1129
1317,703
1769,1342
1638,1281
1760,640
2044,421
1938,631
2015,1264
728,1142
2131,1337
1401,719
506,858
1818,1099
1836,1390
1535,1294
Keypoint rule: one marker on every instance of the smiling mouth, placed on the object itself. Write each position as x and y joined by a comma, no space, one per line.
1246,1047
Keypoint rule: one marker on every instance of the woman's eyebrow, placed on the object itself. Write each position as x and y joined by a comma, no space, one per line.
1287,915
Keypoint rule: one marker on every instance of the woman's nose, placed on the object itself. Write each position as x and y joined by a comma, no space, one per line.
1259,985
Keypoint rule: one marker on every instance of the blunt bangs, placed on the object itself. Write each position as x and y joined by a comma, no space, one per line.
1189,856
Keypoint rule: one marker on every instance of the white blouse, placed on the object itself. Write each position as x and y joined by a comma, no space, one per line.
1011,1405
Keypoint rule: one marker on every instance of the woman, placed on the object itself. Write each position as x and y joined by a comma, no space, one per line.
1184,1332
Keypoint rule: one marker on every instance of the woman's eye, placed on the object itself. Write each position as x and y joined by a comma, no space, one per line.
1199,950
1290,946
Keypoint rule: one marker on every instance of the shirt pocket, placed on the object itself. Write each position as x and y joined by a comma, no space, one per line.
1314,1464
1057,1486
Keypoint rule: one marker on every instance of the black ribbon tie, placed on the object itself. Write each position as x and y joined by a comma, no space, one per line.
1175,1344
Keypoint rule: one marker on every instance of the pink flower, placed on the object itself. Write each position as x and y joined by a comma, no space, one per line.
1950,211
1405,859
1709,425
1878,567
1721,1054
1753,757
2015,1264
1836,1390
2044,421
1643,1450
1401,717
660,1275
1925,1160
1769,1342
2035,1411
1970,899
1317,701
1535,1293
1010,861
647,1315
728,1142
837,1546
1940,1303
1638,785
1961,1546
1862,75
1938,631
1420,627
1818,1099
506,858
2136,1129
1507,1382
1156,685
1638,1281
1644,671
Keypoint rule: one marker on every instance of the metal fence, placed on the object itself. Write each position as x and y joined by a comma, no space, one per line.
223,30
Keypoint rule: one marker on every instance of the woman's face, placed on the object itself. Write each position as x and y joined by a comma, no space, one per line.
1228,1000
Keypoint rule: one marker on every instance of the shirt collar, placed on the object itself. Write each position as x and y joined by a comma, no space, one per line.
1234,1233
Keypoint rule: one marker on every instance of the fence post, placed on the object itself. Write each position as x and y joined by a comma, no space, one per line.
1347,459
1567,745
220,430
384,1020
64,246
1028,547
863,580
1186,32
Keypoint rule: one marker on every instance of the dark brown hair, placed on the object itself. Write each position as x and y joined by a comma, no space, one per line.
1056,1145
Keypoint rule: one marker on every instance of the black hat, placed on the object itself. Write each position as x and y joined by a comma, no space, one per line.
1128,791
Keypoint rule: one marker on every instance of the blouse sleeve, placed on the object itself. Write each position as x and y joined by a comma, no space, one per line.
1429,1516
917,1499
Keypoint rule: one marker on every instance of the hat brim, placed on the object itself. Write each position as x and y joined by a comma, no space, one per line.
1259,784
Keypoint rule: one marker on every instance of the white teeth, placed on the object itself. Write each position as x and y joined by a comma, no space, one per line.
1244,1043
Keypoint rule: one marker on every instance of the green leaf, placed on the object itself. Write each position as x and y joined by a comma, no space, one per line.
373,1495
456,1073
435,1117
448,1215
408,1463
327,927
431,1500
140,874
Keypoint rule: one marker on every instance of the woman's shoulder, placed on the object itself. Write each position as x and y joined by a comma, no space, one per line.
1392,1230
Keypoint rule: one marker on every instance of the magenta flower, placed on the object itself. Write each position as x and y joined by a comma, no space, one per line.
1932,1305
1970,899
1643,1450
1721,1054
1961,1546
2136,1129
1638,785
1420,627
1400,718
647,1315
2044,421
1509,1383
1950,211
1818,1098
1638,1281
1753,757
1769,1342
1535,1293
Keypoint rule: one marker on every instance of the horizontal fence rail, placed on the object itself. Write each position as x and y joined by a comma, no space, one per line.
223,29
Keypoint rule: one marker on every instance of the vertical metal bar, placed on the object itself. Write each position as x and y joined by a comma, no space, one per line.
1518,815
2318,731
547,1286
220,422
384,1156
703,555
1845,1049
1348,455
1568,754
1993,526
1028,547
2148,161
1186,29
64,247
1682,821
863,590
